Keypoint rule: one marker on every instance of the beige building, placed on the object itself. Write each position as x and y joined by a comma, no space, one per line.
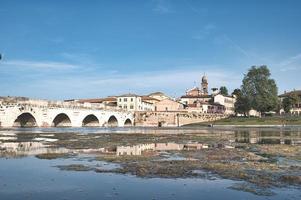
189,100
105,103
150,99
227,101
159,95
168,105
133,102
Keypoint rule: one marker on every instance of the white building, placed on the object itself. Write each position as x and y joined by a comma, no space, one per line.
133,102
227,101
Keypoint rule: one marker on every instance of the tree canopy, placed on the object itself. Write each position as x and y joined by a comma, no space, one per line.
259,90
290,101
241,104
223,90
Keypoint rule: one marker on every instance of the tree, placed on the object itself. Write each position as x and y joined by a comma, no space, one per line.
260,90
236,92
223,90
287,104
290,101
241,104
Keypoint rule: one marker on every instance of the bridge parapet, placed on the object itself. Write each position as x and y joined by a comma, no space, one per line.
25,113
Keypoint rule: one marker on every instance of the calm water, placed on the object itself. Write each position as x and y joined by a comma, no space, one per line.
32,178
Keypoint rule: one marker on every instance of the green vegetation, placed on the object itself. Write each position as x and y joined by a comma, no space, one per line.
50,156
274,120
242,104
258,91
289,102
74,167
223,90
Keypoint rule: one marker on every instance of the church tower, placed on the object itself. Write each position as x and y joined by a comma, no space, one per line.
204,85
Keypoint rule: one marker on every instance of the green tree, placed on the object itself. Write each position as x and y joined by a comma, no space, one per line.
242,105
236,92
287,104
290,101
223,90
260,90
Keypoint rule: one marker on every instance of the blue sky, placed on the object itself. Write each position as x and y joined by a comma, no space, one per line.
82,49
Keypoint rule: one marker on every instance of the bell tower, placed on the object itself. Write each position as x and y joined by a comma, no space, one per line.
204,85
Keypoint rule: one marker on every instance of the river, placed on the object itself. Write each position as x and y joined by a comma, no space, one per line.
23,175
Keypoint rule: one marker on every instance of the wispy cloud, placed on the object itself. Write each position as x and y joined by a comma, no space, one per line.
173,82
39,65
204,32
162,6
291,63
226,39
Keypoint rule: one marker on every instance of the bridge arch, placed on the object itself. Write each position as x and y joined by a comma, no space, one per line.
90,121
128,122
25,120
61,120
112,121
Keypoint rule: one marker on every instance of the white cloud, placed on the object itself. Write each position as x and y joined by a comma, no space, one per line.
38,64
173,82
290,64
204,32
162,7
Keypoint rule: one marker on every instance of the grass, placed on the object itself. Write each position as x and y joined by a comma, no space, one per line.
51,156
273,120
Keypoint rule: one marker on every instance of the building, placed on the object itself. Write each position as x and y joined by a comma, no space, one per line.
227,101
133,102
296,108
206,108
168,105
204,85
159,95
149,99
197,94
103,103
189,100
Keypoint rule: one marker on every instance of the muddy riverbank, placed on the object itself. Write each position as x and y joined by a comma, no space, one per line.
262,158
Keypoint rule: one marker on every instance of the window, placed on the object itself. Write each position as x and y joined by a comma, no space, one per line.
125,99
119,99
125,106
131,107
132,99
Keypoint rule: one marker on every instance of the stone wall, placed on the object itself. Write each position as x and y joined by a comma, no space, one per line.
179,118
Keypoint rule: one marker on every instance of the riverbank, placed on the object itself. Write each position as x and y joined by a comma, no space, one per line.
273,121
262,158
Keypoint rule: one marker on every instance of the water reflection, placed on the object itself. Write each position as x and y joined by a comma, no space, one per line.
170,146
268,137
19,149
10,145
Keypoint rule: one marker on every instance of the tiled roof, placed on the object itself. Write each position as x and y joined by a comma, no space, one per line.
97,100
298,92
199,96
129,95
149,98
157,93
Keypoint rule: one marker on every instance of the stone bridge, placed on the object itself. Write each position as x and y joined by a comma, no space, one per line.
46,115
